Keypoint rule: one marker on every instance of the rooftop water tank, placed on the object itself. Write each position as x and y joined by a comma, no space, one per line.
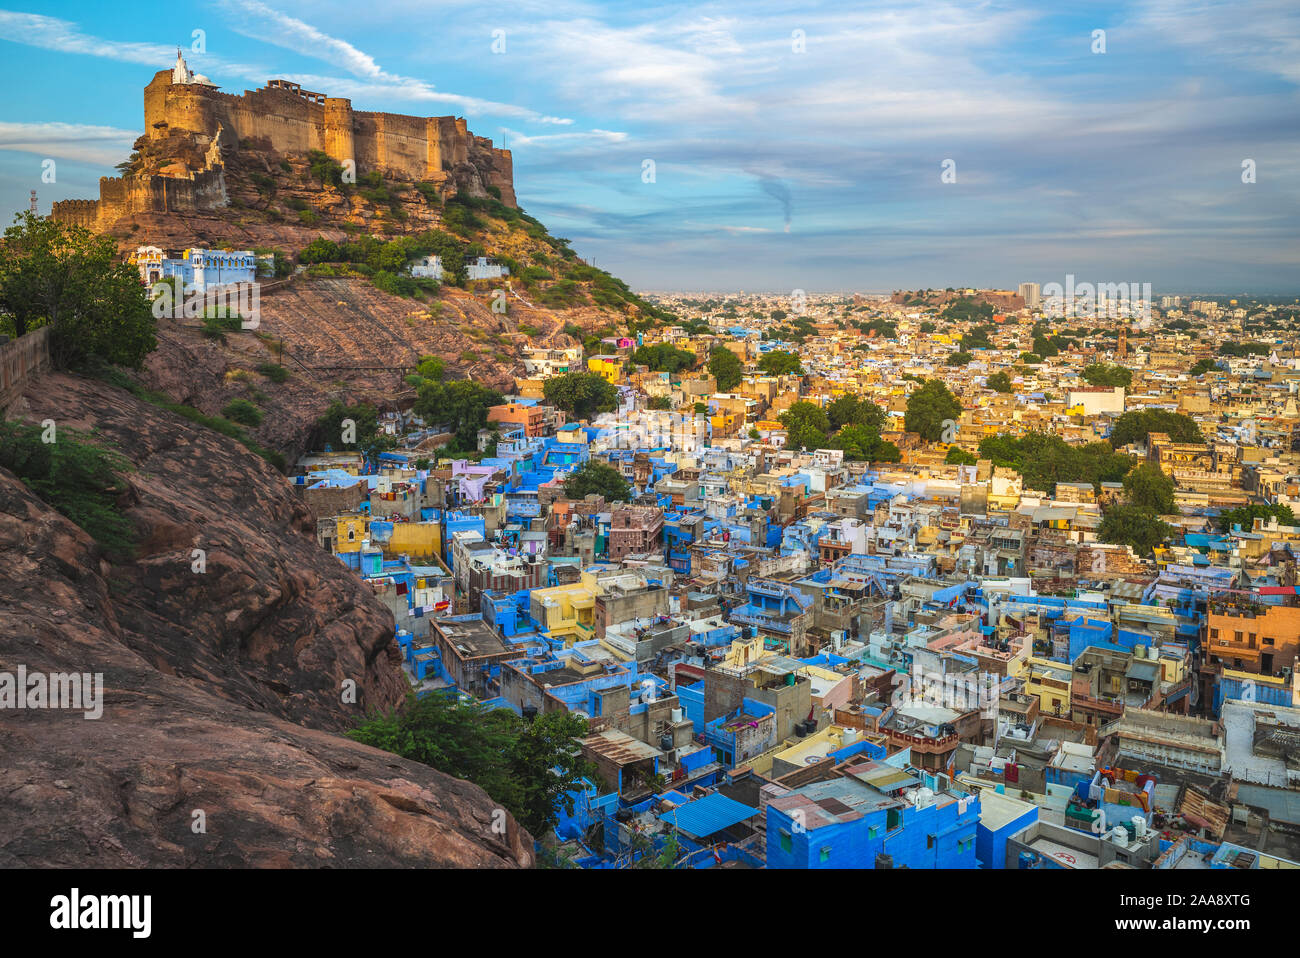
1119,835
1139,826
677,715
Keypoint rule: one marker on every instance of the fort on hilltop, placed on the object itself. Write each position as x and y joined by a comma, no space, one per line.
191,123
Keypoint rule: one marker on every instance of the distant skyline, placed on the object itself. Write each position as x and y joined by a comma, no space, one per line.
793,145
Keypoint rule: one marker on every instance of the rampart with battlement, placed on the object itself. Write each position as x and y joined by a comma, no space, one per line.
284,118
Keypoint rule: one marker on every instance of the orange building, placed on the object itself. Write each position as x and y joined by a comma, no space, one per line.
530,418
1252,637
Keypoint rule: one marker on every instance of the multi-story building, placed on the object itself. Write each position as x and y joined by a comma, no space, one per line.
635,530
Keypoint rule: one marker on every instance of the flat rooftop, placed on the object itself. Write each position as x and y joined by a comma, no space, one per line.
620,748
472,639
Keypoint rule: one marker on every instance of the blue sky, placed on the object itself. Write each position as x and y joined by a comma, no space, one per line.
774,168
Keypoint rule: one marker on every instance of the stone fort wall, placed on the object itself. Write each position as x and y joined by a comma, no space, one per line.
286,119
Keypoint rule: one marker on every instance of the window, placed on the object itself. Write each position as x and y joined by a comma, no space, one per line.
825,853
929,841
1268,641
873,831
787,844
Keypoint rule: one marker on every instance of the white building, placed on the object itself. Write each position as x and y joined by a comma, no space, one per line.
182,74
482,269
205,269
429,267
149,261
1098,399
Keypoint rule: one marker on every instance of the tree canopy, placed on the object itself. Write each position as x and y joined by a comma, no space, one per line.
526,766
928,407
726,368
64,276
664,358
780,362
581,394
1000,382
806,425
849,409
1133,526
598,478
1136,425
460,405
862,443
1245,516
1106,374
1150,489
1044,460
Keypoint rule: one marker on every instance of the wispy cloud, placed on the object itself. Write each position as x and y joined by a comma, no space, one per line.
258,21
103,145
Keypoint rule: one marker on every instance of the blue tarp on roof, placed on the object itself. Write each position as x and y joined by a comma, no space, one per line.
705,816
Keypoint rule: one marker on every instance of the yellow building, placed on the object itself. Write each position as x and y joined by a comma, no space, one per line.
610,368
566,611
415,539
351,532
1050,682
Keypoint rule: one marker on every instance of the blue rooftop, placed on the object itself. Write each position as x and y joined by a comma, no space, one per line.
708,815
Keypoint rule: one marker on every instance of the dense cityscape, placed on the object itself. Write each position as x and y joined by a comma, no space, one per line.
721,439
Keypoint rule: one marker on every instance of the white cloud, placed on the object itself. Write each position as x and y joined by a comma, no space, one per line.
101,145
258,21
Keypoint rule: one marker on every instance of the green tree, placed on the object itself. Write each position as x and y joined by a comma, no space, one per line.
1150,489
927,409
581,394
1046,346
780,362
1201,367
806,425
64,276
960,457
1031,359
460,405
1106,374
1136,425
660,402
1044,460
848,408
863,444
726,368
1133,526
598,478
1000,382
959,358
1245,516
528,767
664,358
364,430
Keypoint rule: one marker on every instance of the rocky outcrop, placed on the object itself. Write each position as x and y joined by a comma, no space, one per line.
226,687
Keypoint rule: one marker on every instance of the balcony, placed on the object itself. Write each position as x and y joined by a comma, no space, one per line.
771,623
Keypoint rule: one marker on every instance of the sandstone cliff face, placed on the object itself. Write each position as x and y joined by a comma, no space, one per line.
346,340
224,687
